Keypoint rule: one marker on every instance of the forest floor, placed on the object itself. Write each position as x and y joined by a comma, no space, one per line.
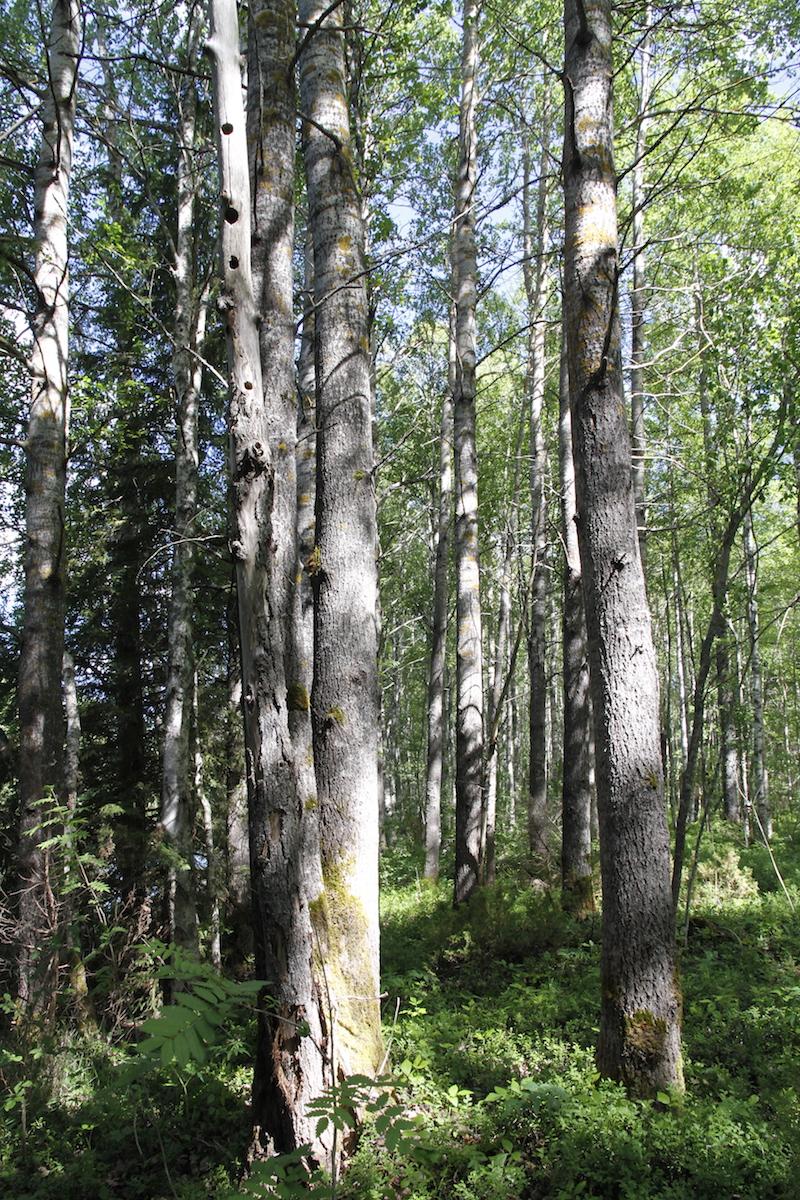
491,1016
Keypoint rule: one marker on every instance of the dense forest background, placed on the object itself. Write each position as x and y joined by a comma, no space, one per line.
419,209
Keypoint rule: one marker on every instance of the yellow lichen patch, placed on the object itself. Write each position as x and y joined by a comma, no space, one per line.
343,956
345,243
310,804
314,561
336,714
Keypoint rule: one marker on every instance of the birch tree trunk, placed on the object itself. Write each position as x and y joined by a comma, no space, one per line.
289,1062
535,278
759,788
343,564
469,657
638,293
177,785
435,755
41,758
726,711
201,797
496,697
238,907
639,1041
576,792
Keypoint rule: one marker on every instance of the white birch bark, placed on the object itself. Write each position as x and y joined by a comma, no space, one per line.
469,657
190,317
495,698
536,286
438,653
39,691
638,293
201,796
576,790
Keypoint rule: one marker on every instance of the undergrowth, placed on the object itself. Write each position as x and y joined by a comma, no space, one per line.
491,1014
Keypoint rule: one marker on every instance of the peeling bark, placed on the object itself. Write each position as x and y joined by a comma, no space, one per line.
289,1055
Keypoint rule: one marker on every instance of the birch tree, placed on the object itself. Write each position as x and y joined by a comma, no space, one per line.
469,659
639,1040
177,791
576,790
438,654
638,293
39,691
535,278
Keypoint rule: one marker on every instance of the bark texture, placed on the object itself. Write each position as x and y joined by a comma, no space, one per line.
41,720
177,790
536,281
639,1041
498,690
289,1056
469,659
435,755
638,293
343,563
238,909
576,790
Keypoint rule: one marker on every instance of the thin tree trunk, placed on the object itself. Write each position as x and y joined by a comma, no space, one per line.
512,749
726,715
289,1066
496,697
680,657
639,1041
715,627
212,876
433,767
469,657
638,292
190,316
77,968
759,788
343,565
238,902
536,286
576,794
41,761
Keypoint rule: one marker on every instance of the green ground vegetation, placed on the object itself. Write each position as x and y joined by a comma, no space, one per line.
491,1014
